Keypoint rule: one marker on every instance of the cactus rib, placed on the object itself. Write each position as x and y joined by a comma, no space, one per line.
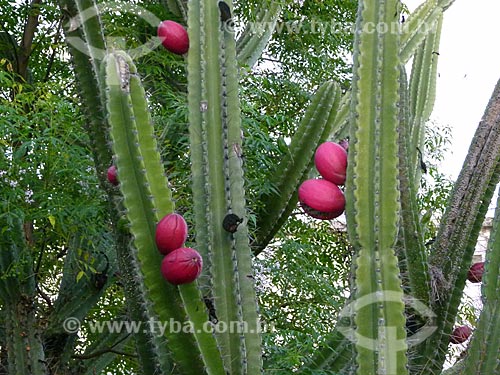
372,188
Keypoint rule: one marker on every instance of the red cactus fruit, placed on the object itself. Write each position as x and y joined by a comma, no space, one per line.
174,37
321,199
331,162
460,334
171,233
113,175
182,266
475,273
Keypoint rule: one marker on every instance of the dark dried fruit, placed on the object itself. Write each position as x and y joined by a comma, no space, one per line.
182,266
460,334
345,143
475,273
231,222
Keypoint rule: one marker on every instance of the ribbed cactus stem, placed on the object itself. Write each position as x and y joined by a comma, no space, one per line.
216,154
256,35
373,191
146,197
23,341
454,246
423,93
483,353
411,250
317,124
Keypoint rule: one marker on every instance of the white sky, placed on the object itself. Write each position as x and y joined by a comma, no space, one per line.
469,68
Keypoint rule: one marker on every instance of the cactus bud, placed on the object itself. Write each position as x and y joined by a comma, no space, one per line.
460,334
331,162
174,37
182,266
113,175
171,233
321,199
475,273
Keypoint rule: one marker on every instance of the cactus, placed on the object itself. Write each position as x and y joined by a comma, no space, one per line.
384,113
482,356
23,341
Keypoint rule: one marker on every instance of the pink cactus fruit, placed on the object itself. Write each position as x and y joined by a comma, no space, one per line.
331,162
171,233
174,37
182,266
321,199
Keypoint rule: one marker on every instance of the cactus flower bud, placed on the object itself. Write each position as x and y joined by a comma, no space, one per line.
475,273
321,199
182,266
460,334
174,37
331,162
171,233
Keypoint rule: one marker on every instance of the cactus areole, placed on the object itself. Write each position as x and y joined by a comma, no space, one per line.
321,199
171,233
113,175
182,266
475,273
331,162
174,37
460,334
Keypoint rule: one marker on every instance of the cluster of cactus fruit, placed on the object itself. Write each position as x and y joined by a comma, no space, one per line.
322,198
181,265
462,333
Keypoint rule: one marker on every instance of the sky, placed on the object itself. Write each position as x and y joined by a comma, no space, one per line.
469,68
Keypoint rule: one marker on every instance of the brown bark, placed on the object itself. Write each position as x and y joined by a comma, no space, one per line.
28,36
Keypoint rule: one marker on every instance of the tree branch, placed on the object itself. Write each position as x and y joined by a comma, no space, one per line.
28,36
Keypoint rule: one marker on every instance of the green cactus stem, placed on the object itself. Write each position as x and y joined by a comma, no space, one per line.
140,173
92,93
315,127
423,93
25,353
418,25
373,191
254,38
454,246
411,249
216,155
482,355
